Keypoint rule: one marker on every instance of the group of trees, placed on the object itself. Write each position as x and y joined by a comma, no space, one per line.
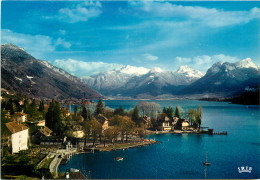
195,117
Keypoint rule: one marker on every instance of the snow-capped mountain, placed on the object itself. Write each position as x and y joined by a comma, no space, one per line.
131,70
226,79
188,72
133,81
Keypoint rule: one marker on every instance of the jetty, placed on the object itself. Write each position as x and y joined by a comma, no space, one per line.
220,133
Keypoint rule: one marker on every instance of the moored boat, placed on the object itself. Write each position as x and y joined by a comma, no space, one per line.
74,170
206,163
119,158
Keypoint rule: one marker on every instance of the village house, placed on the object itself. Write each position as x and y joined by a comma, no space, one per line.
166,124
147,121
19,135
20,117
175,120
185,125
103,121
77,131
181,124
41,123
45,131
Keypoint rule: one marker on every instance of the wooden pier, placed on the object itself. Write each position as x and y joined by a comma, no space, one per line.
220,133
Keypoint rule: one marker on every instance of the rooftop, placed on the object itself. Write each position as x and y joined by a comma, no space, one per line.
14,127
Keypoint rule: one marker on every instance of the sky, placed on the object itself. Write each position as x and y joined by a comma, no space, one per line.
88,37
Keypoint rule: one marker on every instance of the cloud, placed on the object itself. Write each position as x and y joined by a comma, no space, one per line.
62,31
79,12
37,45
149,57
81,68
63,42
204,62
208,16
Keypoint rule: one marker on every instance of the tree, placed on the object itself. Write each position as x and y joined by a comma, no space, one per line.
84,113
89,115
119,111
99,108
75,110
192,113
143,106
41,106
199,115
135,116
53,117
11,106
33,109
169,112
87,130
178,111
164,110
140,132
26,106
108,135
126,125
96,130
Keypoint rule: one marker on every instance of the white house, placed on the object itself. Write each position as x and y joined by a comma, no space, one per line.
20,116
19,136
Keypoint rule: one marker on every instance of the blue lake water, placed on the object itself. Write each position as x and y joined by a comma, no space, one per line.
182,156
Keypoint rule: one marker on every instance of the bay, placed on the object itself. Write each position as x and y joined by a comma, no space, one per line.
181,156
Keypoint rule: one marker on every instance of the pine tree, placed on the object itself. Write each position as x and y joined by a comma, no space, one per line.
169,112
26,106
199,115
75,110
178,111
99,108
164,110
53,117
41,106
84,113
135,116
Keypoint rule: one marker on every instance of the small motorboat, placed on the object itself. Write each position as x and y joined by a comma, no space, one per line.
206,163
74,170
119,159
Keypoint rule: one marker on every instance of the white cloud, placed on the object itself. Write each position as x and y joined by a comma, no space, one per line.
63,42
209,16
62,32
149,57
80,12
81,68
37,45
204,62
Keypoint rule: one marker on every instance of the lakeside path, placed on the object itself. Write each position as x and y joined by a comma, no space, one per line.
123,146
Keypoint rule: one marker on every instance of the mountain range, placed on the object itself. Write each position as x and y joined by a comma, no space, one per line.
223,79
22,73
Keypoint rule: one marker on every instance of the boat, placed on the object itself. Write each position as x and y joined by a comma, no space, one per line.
119,159
74,170
206,163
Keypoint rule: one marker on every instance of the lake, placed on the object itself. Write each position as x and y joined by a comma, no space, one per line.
181,156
